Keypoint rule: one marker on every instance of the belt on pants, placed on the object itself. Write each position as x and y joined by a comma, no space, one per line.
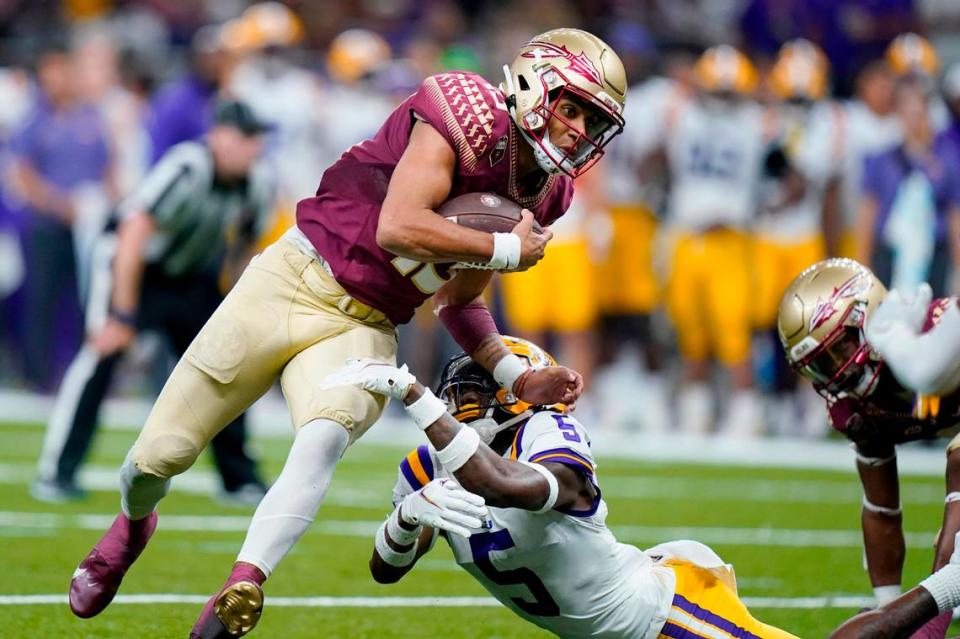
350,305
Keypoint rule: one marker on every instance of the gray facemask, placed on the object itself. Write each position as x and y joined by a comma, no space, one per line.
488,428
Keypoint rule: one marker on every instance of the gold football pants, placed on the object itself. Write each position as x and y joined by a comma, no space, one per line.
708,295
285,318
775,264
705,606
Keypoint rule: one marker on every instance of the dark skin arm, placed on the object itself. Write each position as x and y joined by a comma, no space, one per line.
898,619
882,534
409,226
504,483
831,219
793,185
384,573
951,513
466,287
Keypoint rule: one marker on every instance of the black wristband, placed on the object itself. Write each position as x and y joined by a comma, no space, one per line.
127,319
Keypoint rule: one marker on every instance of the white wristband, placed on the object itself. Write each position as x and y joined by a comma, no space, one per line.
426,410
388,554
951,497
506,252
944,586
398,533
508,370
885,594
551,481
460,449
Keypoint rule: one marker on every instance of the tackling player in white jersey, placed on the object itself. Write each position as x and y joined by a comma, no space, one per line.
517,498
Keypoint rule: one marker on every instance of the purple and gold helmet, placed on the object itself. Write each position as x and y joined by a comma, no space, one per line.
472,393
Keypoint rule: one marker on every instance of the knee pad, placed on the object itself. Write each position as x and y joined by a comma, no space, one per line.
166,455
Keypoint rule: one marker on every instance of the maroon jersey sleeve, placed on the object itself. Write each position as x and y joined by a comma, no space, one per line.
461,106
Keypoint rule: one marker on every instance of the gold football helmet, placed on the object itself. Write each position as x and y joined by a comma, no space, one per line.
821,322
566,63
277,23
910,53
723,69
476,398
800,72
267,24
355,53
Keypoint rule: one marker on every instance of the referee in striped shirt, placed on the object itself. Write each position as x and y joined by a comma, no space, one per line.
157,269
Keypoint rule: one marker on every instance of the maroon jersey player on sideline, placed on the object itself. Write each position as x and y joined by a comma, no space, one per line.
822,323
365,252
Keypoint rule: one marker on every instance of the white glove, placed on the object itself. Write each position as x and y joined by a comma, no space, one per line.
900,308
372,375
445,505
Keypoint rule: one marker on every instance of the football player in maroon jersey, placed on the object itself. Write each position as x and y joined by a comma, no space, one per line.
366,251
822,322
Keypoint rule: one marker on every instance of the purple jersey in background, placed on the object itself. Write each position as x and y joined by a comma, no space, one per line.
179,112
67,147
883,175
341,221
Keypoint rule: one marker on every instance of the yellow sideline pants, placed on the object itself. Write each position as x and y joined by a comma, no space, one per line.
708,295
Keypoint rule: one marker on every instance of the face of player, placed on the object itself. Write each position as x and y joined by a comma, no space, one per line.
233,152
573,118
490,432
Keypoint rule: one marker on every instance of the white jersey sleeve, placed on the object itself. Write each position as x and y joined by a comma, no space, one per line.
555,438
416,470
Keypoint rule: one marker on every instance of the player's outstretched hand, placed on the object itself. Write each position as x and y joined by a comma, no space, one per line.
374,376
532,244
900,311
444,504
550,385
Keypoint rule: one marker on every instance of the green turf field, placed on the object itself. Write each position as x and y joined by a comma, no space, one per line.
792,535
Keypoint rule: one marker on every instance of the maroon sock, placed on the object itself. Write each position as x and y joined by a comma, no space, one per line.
126,539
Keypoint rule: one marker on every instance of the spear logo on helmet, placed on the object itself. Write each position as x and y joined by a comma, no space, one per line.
579,63
825,310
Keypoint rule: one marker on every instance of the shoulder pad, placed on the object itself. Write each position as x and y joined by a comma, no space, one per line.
469,107
554,437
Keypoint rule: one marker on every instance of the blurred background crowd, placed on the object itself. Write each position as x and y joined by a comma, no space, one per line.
762,135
